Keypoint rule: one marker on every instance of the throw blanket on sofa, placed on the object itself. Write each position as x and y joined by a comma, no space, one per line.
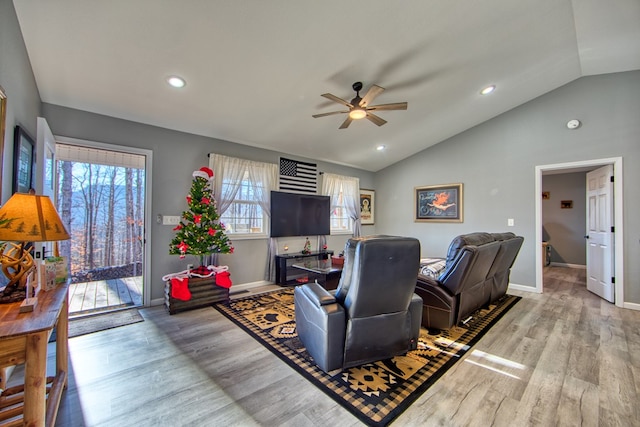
432,267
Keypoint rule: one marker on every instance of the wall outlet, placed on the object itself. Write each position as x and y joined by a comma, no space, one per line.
510,222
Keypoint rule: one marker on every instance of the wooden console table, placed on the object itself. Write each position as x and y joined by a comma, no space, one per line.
23,339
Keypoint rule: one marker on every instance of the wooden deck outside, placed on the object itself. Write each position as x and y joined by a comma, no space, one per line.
103,295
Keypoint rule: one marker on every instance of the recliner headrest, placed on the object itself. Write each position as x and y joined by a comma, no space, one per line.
474,239
503,236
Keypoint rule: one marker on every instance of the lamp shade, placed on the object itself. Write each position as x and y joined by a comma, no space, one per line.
31,218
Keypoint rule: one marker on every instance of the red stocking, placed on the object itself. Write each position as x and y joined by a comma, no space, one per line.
180,289
223,280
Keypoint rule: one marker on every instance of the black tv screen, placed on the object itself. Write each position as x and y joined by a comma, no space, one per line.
299,214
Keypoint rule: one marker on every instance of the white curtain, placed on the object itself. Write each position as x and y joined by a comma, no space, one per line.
267,174
350,185
228,170
263,178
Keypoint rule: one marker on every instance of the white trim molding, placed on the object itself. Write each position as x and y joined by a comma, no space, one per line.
618,217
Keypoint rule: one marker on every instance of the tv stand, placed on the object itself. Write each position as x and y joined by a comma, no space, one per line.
286,274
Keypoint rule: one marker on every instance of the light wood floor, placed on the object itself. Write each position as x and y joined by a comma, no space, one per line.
104,295
562,358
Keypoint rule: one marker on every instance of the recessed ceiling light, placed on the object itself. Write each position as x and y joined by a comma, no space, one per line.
176,81
487,90
381,147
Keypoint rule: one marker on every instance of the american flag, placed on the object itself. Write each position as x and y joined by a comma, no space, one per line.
298,177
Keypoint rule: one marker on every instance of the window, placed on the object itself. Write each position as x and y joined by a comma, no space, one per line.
340,219
242,189
244,215
345,203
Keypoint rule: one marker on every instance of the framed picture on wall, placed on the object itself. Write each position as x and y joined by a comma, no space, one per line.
438,203
367,205
22,161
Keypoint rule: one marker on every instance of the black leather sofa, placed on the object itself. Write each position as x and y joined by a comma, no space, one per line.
373,314
478,266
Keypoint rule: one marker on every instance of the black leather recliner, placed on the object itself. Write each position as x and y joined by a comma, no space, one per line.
373,314
478,266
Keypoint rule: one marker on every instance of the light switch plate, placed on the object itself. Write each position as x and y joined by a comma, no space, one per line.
170,220
510,222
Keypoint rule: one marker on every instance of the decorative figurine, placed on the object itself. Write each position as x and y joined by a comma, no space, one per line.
307,247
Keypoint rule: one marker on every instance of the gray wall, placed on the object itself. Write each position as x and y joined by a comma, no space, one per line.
496,161
564,228
175,156
16,77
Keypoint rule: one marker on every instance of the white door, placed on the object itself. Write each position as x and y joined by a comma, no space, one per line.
45,174
600,232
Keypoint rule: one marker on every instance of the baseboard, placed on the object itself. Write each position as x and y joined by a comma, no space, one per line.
631,306
249,286
523,288
157,301
567,265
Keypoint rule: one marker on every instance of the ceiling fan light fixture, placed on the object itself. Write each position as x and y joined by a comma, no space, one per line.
357,114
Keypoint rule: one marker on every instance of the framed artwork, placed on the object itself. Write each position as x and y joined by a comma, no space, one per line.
3,117
22,161
439,203
367,205
566,204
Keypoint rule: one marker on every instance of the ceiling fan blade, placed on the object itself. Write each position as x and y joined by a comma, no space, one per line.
375,119
374,91
394,106
336,99
346,123
328,114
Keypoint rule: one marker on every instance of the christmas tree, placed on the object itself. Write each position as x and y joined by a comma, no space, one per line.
200,232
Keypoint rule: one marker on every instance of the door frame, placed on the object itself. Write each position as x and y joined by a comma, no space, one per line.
146,285
618,217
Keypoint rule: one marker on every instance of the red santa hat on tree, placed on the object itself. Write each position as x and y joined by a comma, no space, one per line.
203,172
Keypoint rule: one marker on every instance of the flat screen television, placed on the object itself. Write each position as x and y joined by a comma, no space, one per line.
299,214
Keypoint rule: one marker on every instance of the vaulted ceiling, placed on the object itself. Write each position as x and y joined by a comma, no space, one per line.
255,70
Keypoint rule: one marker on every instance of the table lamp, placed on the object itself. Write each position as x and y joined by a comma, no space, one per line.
25,218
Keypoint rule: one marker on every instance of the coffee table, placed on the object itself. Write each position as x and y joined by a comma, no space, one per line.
322,270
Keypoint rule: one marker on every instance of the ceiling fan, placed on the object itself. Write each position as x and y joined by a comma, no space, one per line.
359,108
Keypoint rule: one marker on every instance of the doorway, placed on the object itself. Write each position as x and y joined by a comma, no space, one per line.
618,216
102,197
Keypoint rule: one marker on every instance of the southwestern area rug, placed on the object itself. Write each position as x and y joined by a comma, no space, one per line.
377,392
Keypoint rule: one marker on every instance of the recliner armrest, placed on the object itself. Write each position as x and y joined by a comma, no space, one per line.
428,280
434,294
317,294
